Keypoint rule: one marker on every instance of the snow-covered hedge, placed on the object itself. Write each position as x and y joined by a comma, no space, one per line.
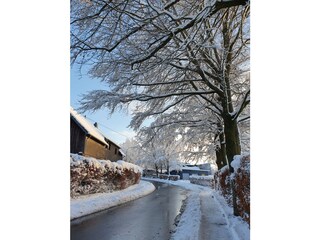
170,177
174,177
202,180
241,176
89,175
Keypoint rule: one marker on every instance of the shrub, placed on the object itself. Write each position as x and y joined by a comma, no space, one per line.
89,175
202,180
174,177
241,177
222,183
242,187
163,176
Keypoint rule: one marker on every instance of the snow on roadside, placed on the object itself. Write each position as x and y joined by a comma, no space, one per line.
182,183
238,228
85,205
189,224
209,177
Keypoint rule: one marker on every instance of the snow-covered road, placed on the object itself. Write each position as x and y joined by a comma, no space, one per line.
88,204
206,214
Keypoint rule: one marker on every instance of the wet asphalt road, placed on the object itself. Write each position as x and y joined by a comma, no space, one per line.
146,218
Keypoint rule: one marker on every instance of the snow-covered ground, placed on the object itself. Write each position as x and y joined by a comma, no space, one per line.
207,215
189,224
87,204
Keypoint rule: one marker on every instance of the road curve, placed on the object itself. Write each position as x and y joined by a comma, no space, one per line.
146,218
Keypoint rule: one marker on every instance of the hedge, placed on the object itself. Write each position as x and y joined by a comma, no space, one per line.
241,176
90,175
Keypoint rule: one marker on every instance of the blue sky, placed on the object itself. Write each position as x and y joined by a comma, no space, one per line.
115,126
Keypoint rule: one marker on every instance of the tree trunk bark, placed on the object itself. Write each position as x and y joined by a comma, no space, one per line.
233,147
221,153
232,138
219,157
157,170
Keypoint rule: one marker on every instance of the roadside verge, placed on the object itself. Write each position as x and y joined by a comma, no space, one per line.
206,215
85,205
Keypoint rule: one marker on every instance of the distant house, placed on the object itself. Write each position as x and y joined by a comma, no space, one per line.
187,170
88,140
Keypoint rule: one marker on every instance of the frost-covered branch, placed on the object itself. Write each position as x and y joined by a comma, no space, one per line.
245,102
180,62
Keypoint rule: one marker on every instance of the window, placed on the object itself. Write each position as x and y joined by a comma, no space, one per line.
115,150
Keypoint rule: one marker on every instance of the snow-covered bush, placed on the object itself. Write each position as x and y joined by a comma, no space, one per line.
163,176
202,180
241,165
149,173
222,183
174,177
89,175
169,177
241,177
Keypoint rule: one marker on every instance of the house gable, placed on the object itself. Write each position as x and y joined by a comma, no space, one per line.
77,137
89,140
87,127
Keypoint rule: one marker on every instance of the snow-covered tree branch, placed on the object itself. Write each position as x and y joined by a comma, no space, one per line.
183,62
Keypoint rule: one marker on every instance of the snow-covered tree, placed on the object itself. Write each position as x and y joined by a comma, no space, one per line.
132,150
162,150
163,54
193,129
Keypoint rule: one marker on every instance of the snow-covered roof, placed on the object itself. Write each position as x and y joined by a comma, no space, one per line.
88,127
122,152
114,143
190,168
197,169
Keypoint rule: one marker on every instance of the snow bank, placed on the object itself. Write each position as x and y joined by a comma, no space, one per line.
90,175
189,224
238,227
202,180
236,162
85,205
209,177
206,203
170,177
182,183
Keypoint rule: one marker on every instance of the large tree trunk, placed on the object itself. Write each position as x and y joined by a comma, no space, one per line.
232,138
220,158
221,153
231,131
156,166
233,147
